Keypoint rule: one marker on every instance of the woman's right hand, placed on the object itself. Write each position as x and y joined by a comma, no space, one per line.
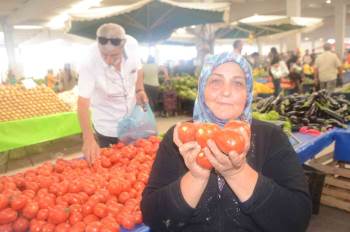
189,152
91,150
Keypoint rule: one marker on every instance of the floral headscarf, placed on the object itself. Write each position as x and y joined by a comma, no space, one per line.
201,111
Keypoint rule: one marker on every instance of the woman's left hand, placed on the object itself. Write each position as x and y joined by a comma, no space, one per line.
227,165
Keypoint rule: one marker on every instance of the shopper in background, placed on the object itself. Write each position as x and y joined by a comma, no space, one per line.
295,71
307,59
151,81
238,46
257,190
110,84
67,78
51,80
277,70
327,67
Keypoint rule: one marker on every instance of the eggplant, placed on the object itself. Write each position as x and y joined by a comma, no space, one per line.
330,113
336,123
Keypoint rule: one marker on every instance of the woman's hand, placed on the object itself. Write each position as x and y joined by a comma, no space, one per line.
189,152
227,165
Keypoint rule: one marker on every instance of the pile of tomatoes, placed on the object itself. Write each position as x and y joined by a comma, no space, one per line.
233,137
72,196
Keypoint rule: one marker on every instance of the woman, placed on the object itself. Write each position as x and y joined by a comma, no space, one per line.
277,70
262,189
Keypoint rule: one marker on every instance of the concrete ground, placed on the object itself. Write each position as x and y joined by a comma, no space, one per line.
328,220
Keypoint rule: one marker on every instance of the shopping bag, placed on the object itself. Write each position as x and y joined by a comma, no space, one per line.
141,123
279,70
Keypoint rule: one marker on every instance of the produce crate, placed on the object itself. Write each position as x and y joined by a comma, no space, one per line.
336,189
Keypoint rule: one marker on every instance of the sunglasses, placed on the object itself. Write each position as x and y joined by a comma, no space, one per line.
115,41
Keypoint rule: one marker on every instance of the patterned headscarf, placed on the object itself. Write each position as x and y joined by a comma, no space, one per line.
201,111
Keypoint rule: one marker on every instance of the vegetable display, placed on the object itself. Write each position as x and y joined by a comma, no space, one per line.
70,195
318,110
185,87
18,103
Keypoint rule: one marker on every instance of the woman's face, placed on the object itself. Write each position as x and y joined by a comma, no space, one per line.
225,92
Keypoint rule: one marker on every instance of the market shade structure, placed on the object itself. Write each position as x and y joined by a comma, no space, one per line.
148,21
268,26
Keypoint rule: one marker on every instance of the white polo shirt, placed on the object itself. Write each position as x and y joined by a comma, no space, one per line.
111,93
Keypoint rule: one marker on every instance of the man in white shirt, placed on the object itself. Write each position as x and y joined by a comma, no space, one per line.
110,84
327,66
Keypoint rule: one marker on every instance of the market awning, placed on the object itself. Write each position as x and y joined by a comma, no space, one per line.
148,21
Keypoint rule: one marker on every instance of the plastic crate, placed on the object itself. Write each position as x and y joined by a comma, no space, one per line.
315,180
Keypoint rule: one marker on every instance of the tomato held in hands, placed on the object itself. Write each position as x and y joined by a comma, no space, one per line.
229,140
240,126
205,132
187,132
203,161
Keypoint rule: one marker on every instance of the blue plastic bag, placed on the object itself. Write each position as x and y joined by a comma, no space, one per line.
141,123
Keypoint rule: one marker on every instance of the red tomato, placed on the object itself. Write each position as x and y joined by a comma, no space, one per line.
30,210
89,188
75,187
6,228
203,161
87,209
123,197
18,202
138,217
36,225
187,132
105,162
78,227
75,208
63,227
46,202
75,218
139,186
29,193
32,186
143,177
90,218
7,215
229,140
128,222
205,132
4,201
21,225
58,214
48,227
115,187
100,210
42,214
240,126
93,227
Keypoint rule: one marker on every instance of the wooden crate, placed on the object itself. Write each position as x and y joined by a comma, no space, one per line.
336,189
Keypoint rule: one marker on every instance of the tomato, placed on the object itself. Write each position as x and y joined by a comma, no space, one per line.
30,210
62,188
143,177
7,215
123,197
63,227
46,202
58,214
93,227
6,228
75,218
138,185
18,202
187,132
240,126
203,161
78,227
75,208
75,187
48,227
115,187
87,209
229,140
205,132
44,181
90,218
4,201
105,162
100,210
36,225
138,217
42,214
128,222
21,225
32,186
89,188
